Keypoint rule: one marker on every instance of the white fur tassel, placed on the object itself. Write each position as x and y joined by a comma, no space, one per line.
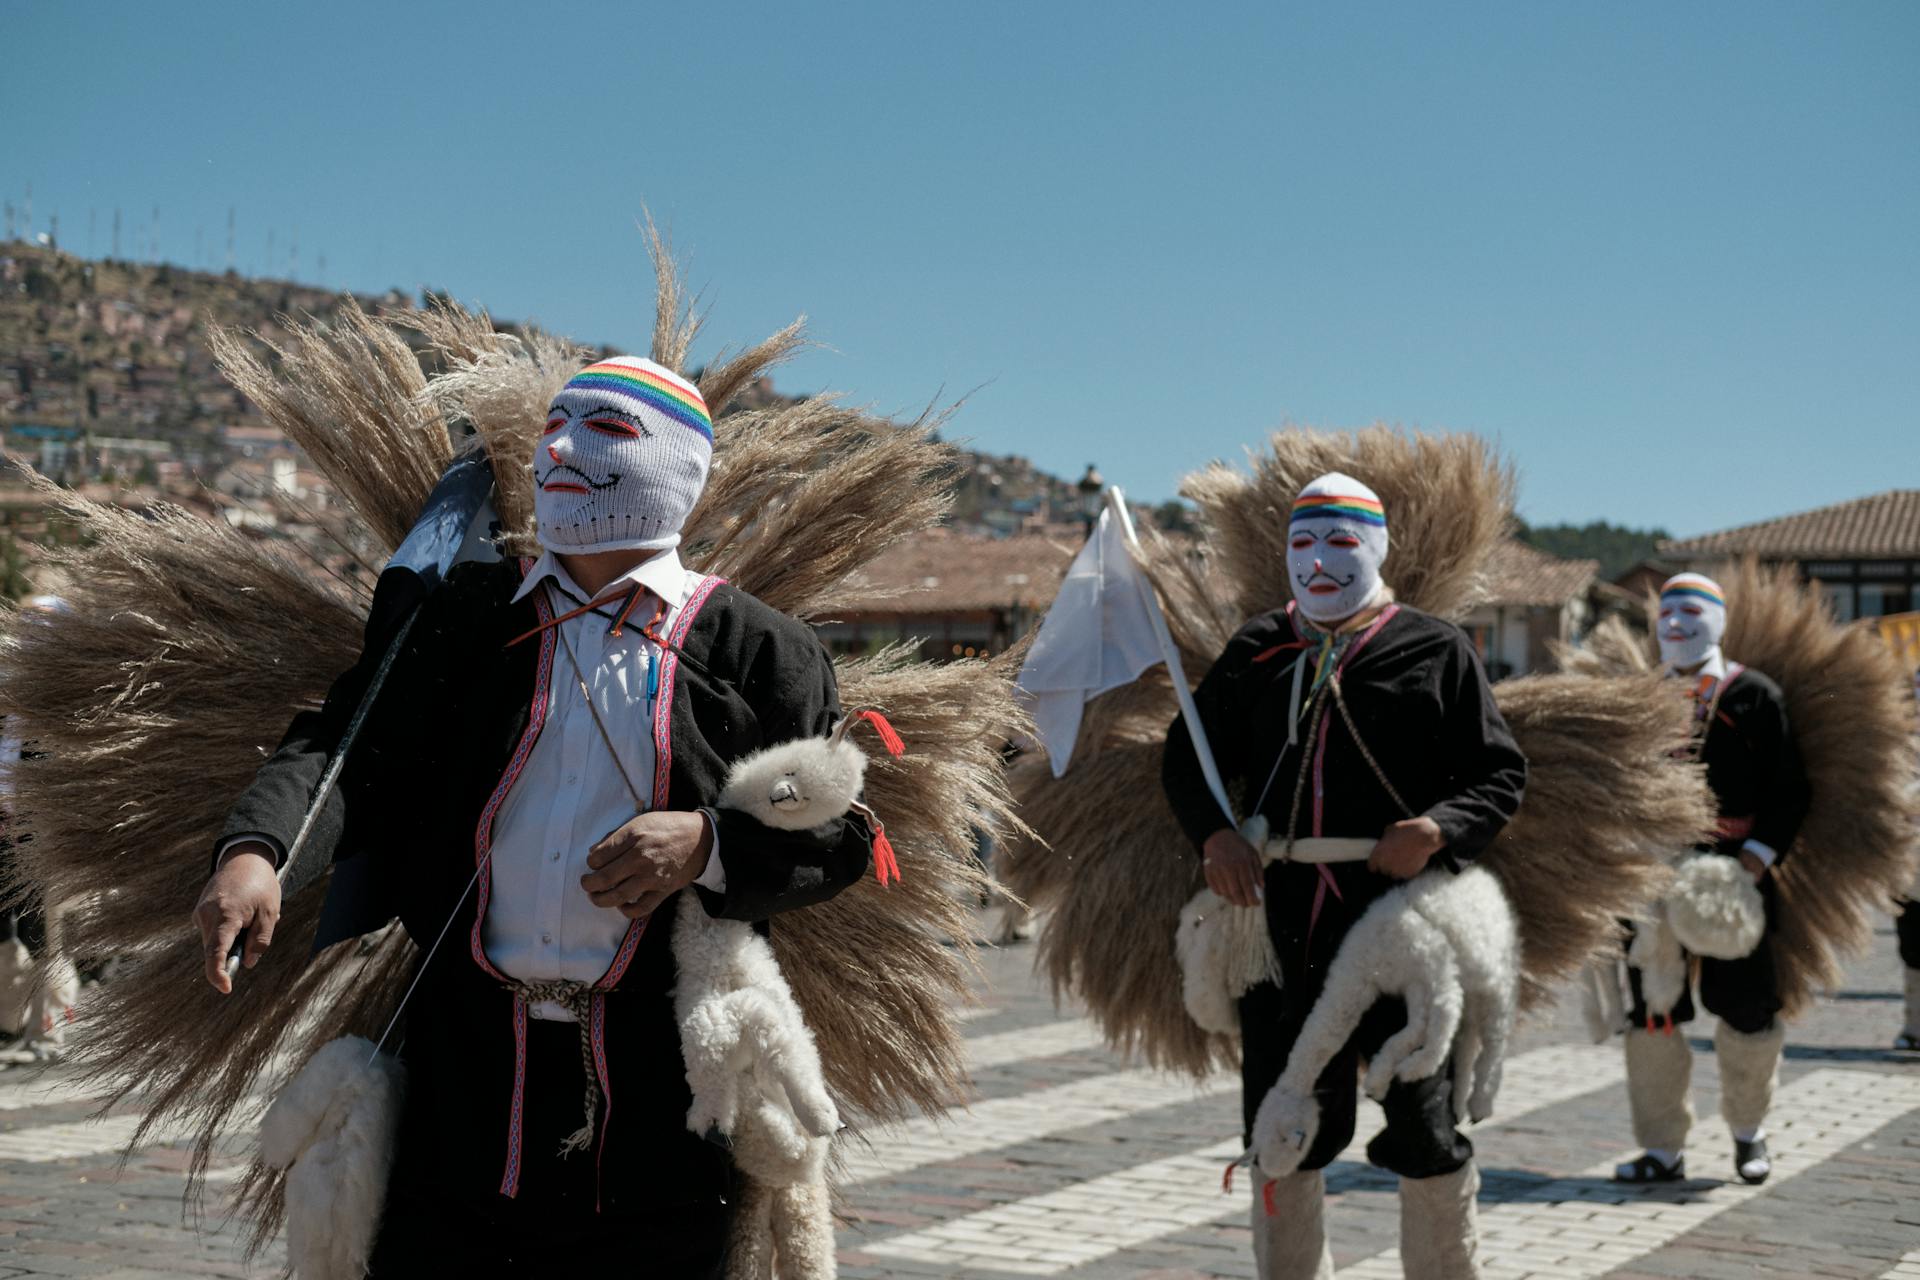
1715,907
333,1129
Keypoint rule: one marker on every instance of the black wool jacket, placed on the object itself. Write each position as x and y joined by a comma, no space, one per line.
1753,763
412,815
1422,704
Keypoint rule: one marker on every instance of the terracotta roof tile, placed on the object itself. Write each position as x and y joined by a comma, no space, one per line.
1522,575
1882,526
941,571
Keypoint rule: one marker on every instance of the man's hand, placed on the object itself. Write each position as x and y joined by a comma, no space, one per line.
637,867
1404,850
1755,868
244,893
1233,867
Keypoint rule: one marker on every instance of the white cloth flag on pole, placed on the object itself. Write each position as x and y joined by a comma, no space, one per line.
1104,629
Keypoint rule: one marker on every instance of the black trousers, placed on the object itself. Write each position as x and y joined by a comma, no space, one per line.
570,1218
1420,1140
1906,927
1743,993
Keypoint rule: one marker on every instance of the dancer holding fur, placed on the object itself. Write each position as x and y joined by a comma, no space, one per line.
579,712
1723,909
1375,766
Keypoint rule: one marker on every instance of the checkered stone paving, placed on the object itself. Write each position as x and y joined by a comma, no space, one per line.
1072,1162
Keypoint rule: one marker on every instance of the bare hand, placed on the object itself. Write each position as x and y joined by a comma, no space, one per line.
650,858
244,893
1755,868
1404,850
1232,867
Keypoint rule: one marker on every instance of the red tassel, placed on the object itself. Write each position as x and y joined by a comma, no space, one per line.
1266,1198
888,738
1226,1179
885,866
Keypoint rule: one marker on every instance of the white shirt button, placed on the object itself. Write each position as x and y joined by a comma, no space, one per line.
554,856
573,779
547,938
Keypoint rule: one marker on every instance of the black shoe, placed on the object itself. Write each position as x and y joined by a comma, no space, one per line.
1751,1161
1907,1042
1649,1169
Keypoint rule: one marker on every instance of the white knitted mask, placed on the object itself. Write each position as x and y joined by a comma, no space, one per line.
1693,618
1336,543
622,460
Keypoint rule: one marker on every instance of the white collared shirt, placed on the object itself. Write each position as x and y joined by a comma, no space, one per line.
570,795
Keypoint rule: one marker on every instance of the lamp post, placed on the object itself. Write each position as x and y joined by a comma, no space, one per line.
1090,487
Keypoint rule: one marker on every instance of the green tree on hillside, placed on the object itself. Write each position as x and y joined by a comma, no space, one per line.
1616,547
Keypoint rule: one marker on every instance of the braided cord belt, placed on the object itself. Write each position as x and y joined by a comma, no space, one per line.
577,999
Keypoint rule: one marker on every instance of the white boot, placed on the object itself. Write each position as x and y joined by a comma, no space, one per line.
1291,1242
1440,1226
1659,1075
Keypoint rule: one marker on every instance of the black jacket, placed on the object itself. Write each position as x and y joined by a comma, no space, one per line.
407,825
1753,763
1422,704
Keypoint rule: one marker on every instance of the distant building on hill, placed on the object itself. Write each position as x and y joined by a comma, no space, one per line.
1534,600
956,595
1865,554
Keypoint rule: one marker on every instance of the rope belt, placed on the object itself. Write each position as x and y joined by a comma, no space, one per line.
577,999
1319,849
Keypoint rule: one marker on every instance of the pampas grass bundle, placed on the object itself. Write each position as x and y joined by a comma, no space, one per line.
190,647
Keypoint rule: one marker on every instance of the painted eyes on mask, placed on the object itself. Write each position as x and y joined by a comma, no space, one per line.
1304,541
606,423
1691,610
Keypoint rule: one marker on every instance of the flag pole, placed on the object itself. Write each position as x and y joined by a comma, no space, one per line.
1117,504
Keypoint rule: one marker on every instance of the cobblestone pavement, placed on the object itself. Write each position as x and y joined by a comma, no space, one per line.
1073,1163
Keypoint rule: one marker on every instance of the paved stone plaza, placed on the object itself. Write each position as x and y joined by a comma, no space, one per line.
1073,1163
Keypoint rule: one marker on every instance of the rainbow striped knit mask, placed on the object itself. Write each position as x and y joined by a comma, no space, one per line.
622,460
1693,618
1336,543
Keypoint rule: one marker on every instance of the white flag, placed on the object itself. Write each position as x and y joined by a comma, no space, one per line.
1096,637
1104,629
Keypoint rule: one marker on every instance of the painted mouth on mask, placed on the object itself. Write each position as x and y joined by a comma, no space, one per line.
549,483
1325,584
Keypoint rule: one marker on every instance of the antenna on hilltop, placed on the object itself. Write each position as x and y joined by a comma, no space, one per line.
153,241
269,251
93,217
116,232
229,237
293,255
53,232
9,219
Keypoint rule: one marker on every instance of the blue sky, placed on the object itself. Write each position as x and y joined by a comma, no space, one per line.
1665,254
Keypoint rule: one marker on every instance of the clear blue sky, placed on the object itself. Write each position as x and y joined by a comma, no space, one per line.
1668,255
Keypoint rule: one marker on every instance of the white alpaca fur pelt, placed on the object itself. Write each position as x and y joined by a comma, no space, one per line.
333,1129
1223,951
1715,908
1446,944
751,1060
1657,954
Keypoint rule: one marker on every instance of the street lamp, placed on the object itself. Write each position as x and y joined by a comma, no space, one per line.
1090,486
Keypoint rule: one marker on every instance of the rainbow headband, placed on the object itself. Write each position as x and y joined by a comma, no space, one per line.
1696,588
675,399
1329,506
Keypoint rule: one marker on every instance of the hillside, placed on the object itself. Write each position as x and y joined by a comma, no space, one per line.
111,358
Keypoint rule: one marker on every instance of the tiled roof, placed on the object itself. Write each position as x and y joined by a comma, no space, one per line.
1522,575
1883,526
941,571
